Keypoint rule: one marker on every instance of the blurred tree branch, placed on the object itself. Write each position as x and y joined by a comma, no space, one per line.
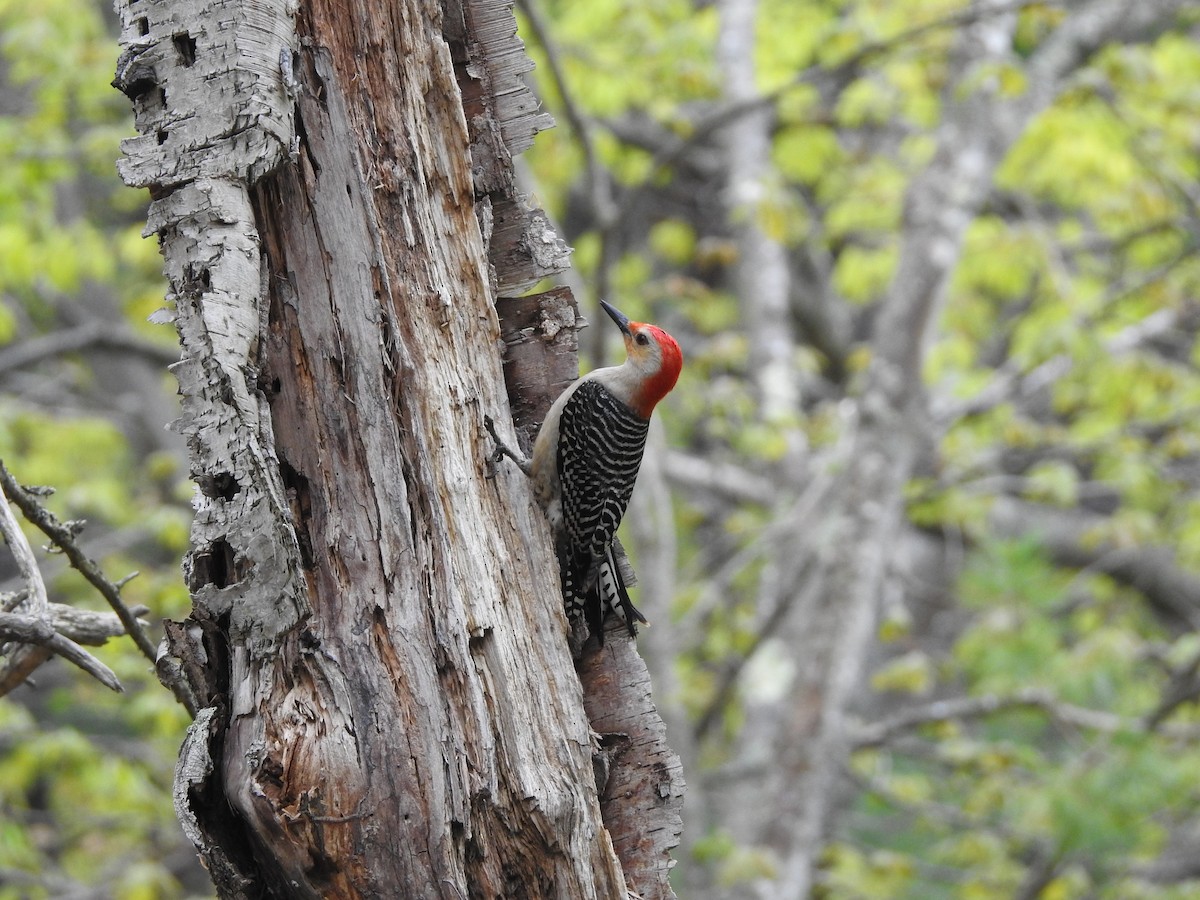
31,630
877,734
63,537
34,630
98,335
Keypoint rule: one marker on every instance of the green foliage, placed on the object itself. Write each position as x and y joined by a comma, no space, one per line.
879,874
58,63
102,815
991,792
911,673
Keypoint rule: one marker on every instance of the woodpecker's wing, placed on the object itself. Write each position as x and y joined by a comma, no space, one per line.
600,446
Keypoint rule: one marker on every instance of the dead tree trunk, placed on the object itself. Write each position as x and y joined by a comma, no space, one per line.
389,707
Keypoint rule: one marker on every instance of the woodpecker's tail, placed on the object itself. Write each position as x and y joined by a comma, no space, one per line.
592,588
613,593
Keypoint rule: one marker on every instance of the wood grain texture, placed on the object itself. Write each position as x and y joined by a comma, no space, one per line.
433,649
502,118
639,776
541,354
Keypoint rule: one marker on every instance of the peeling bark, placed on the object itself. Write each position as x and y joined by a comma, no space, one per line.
388,702
541,346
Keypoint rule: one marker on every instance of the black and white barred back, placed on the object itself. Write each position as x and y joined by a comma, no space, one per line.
600,446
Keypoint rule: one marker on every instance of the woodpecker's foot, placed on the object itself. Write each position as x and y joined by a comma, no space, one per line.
502,450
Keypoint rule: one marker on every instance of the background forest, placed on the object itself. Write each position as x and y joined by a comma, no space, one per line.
919,530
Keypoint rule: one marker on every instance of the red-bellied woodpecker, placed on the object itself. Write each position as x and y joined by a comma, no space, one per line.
586,460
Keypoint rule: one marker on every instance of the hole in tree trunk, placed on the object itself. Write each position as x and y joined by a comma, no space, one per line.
136,82
215,566
185,46
196,279
221,485
299,498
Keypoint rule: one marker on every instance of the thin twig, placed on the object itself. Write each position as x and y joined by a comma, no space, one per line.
502,450
9,602
63,537
598,181
785,533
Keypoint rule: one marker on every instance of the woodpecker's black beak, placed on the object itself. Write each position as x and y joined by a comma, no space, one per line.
617,316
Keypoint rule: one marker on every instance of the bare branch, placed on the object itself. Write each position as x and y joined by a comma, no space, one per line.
841,72
729,479
99,335
31,630
85,626
1087,29
1010,383
26,562
63,537
599,183
879,733
784,534
1171,590
599,186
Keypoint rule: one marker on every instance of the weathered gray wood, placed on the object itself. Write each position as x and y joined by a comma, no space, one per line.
35,632
541,344
541,347
377,372
39,628
502,119
642,787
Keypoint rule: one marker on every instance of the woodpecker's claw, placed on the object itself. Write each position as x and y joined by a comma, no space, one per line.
502,450
497,454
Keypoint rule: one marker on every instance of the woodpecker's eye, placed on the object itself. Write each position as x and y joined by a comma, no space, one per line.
642,339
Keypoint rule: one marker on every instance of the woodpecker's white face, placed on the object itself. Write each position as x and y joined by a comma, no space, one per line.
643,347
